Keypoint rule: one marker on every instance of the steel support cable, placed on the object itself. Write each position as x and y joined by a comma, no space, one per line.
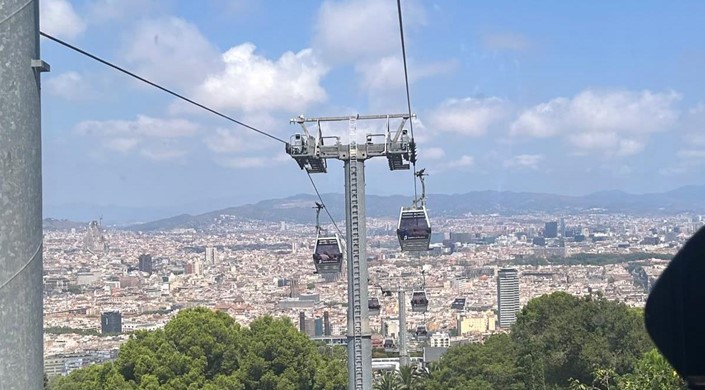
15,12
324,205
155,85
24,266
408,96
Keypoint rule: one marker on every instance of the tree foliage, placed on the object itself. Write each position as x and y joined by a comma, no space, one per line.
651,372
203,349
560,336
490,365
69,330
590,259
558,341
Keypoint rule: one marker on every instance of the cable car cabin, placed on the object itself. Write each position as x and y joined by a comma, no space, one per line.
458,304
373,306
414,229
389,345
419,302
421,332
386,293
328,256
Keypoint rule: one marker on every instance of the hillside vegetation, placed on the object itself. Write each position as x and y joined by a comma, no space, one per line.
558,342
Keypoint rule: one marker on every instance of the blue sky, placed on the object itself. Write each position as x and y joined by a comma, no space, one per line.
552,96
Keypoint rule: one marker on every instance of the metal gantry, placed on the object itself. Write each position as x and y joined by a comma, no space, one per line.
311,153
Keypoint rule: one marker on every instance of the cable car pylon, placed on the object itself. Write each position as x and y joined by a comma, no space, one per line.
401,289
311,153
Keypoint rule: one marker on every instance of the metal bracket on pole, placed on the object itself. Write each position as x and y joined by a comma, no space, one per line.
40,66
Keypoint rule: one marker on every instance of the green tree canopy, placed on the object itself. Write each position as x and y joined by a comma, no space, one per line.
560,336
490,365
558,339
204,349
651,372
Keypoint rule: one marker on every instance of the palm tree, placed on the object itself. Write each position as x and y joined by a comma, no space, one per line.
430,372
388,380
409,377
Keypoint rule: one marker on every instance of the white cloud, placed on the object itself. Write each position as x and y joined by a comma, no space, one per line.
70,86
122,145
143,126
506,41
253,162
524,161
225,141
673,171
691,154
470,116
156,138
601,111
432,153
171,50
365,33
246,162
463,161
353,30
234,140
616,122
629,147
606,143
543,120
594,141
388,72
688,160
695,139
622,170
58,18
102,11
694,125
163,154
254,83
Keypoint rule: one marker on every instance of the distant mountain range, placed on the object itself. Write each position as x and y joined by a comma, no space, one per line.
299,208
62,224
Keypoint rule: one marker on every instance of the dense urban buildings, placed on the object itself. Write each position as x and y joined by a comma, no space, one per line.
253,268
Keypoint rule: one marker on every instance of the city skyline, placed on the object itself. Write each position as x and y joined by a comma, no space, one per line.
604,102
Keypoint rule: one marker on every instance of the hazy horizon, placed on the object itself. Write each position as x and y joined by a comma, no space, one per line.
129,214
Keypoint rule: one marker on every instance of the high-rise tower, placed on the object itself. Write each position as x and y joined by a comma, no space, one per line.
507,296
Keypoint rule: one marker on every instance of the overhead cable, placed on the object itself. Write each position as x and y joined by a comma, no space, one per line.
408,96
324,204
169,91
